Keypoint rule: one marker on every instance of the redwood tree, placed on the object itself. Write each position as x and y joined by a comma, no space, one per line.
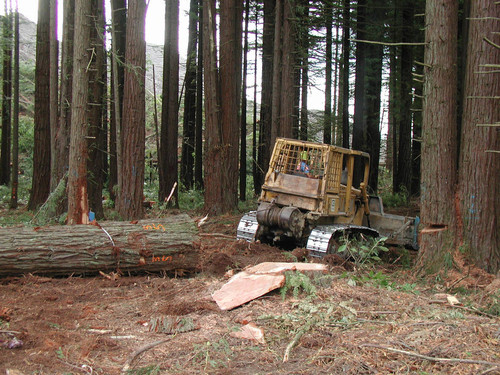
97,110
62,136
189,123
169,106
131,174
6,99
439,143
15,116
266,108
222,99
119,28
479,177
40,186
78,207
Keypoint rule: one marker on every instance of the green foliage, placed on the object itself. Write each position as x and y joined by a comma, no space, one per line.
203,353
493,307
372,277
399,199
297,281
191,199
362,249
47,212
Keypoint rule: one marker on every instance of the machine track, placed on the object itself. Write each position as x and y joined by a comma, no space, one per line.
247,227
320,241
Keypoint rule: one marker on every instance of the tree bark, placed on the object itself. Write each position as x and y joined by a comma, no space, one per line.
53,93
404,100
222,99
97,111
40,187
78,206
15,116
189,123
439,146
6,99
158,245
243,117
131,175
479,166
266,109
327,122
119,30
62,136
346,48
198,159
169,107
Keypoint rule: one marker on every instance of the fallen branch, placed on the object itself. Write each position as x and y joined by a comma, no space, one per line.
432,359
296,339
10,332
141,350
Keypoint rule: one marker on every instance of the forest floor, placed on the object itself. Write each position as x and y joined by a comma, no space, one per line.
359,320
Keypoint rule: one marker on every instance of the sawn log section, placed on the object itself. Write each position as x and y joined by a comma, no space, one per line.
164,244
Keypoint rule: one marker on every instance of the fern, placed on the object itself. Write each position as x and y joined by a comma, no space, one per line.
297,281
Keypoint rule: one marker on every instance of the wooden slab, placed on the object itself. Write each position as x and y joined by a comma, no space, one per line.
258,280
244,287
281,267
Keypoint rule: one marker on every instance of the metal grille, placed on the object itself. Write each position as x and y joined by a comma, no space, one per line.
297,158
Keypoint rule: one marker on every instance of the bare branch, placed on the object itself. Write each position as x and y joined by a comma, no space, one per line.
491,43
387,43
484,19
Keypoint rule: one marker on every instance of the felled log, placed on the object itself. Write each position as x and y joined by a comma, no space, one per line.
156,245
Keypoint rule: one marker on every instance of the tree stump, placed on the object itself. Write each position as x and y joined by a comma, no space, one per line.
165,244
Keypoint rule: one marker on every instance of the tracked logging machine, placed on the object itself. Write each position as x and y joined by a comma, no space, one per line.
313,194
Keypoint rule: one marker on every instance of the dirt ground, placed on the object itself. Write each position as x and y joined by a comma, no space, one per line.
371,321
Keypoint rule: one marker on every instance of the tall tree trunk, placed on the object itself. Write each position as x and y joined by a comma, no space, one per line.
359,131
373,89
391,156
303,71
327,125
189,123
277,75
346,48
40,186
288,93
169,107
243,118
119,31
479,164
15,116
131,175
6,97
53,92
222,98
97,110
62,136
198,159
416,148
255,104
439,147
266,108
403,176
78,206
